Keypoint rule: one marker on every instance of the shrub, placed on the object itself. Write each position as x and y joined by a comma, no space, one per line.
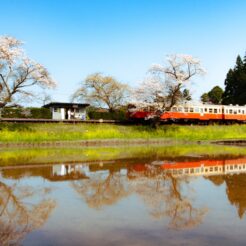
34,113
95,114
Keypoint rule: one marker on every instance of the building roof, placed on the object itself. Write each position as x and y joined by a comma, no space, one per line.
65,105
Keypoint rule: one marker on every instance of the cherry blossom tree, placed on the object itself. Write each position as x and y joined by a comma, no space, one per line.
18,73
150,93
102,91
166,82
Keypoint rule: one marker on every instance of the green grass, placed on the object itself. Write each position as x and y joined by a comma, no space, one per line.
25,132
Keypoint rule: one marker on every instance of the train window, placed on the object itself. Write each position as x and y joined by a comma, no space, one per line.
186,171
206,170
239,111
180,171
222,111
191,110
210,110
242,111
186,109
196,110
235,111
201,110
211,169
215,110
216,169
174,109
230,111
180,109
235,166
191,170
243,166
231,167
205,110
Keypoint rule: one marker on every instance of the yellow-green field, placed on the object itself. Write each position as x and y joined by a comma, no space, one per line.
43,132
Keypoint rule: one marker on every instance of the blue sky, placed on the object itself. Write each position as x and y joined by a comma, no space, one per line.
124,37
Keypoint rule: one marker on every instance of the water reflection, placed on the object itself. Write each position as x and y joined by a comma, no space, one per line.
235,190
167,195
166,188
19,217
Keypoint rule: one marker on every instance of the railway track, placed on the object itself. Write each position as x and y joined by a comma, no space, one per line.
26,120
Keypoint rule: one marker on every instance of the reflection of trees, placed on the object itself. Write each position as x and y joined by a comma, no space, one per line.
102,189
216,179
235,190
160,191
17,217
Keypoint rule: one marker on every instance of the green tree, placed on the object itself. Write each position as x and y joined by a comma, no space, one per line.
235,84
213,96
205,98
186,95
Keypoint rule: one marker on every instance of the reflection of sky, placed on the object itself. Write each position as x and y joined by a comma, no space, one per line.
128,220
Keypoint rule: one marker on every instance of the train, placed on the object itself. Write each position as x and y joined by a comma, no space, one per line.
192,113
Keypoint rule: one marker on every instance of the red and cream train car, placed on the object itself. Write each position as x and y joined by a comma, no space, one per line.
205,113
198,113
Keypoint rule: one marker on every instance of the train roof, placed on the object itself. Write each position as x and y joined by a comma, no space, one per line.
201,105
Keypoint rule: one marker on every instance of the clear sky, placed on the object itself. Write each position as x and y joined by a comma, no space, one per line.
124,37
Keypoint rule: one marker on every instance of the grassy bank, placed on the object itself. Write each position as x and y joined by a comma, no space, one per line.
27,132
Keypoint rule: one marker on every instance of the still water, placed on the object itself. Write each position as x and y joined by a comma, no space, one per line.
143,201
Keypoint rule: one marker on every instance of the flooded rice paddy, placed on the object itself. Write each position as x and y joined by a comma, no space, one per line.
182,195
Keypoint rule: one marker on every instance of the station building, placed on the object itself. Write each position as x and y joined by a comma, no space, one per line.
67,111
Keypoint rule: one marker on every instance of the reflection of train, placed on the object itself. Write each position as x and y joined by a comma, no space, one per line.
191,113
72,171
205,167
